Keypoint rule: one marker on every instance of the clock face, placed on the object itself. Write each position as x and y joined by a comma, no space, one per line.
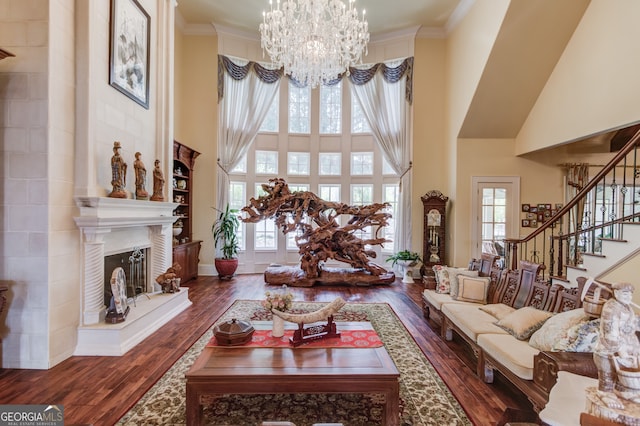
119,289
433,218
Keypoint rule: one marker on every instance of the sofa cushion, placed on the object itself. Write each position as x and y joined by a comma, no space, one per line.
454,273
515,355
438,299
497,310
523,322
472,289
470,320
556,329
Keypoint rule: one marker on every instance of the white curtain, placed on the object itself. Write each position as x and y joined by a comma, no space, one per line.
386,106
245,94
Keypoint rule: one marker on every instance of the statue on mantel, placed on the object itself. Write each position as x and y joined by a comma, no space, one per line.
617,358
118,173
320,237
141,178
158,183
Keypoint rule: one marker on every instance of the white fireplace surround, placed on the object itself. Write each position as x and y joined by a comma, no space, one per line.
110,226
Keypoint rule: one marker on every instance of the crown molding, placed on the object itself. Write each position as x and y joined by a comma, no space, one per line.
392,35
248,35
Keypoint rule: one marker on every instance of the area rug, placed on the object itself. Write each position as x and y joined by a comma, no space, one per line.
425,399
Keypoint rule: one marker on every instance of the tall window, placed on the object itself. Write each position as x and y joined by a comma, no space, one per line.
237,200
270,123
298,163
331,109
391,195
359,123
362,163
265,237
299,109
334,166
266,162
330,163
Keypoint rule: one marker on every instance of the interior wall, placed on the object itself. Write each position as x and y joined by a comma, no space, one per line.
196,125
64,259
594,85
24,189
429,132
468,48
539,183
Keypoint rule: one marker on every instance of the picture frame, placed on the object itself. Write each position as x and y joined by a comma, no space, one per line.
525,223
533,224
531,216
130,35
525,207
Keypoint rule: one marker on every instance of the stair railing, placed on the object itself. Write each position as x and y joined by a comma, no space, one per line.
611,198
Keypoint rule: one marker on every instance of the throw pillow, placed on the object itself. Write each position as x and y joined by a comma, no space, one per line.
581,337
454,273
472,289
523,322
556,329
443,284
498,310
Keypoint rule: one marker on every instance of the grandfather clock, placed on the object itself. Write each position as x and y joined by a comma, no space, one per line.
434,241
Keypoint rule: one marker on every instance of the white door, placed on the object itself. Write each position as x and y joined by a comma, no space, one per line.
495,212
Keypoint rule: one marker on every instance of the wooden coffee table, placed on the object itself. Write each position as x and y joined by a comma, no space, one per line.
252,370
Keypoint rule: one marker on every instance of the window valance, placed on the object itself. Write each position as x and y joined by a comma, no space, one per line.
357,76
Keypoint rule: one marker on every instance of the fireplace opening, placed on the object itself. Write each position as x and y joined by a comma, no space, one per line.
134,264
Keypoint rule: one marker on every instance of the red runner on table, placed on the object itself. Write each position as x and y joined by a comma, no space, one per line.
347,339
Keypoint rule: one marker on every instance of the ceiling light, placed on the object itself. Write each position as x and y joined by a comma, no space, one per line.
314,40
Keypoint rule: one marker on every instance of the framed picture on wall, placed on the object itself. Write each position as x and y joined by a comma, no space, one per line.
129,50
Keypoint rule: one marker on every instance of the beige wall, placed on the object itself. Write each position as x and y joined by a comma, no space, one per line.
594,85
196,125
429,128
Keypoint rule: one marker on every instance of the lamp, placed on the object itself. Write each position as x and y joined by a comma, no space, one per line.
314,40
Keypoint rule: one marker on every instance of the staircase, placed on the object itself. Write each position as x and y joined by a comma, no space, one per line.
619,260
597,233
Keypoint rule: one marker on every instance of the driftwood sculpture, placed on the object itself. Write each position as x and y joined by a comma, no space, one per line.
320,237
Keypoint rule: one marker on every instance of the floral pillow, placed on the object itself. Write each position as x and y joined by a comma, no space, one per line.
443,283
581,337
556,329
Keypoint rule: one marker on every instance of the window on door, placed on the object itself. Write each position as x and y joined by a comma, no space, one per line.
495,213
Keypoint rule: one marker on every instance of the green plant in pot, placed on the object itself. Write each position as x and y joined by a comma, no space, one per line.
410,258
406,260
225,239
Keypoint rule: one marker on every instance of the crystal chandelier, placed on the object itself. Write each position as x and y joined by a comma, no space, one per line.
314,40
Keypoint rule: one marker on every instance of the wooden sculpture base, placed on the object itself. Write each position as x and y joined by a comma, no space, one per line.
314,332
629,415
295,277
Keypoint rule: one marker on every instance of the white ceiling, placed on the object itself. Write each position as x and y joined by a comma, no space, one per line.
383,16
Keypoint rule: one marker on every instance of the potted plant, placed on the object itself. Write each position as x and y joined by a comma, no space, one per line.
406,260
225,240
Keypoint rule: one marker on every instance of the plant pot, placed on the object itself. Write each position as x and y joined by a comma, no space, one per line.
406,266
226,267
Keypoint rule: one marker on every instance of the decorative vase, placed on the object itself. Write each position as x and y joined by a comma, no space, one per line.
278,327
226,267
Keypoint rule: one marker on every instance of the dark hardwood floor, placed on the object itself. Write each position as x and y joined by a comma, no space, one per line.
99,390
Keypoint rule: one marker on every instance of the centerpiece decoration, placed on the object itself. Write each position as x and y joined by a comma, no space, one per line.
279,301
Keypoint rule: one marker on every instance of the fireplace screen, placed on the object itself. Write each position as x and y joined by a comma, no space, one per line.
134,264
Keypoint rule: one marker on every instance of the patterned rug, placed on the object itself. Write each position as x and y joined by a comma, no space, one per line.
425,399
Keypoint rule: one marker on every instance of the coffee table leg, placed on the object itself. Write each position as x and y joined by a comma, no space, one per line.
392,405
194,409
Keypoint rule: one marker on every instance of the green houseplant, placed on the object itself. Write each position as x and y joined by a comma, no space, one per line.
225,239
406,260
404,256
